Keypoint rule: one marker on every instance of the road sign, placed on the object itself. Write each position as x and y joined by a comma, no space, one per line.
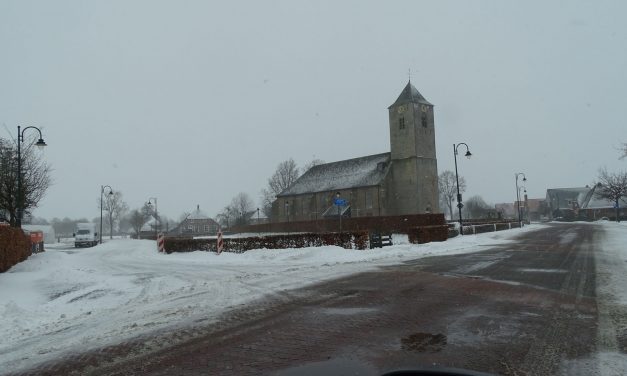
339,202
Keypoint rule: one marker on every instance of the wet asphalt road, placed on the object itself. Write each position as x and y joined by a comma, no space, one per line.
522,308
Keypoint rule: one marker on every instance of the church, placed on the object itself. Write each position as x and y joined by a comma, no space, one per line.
401,182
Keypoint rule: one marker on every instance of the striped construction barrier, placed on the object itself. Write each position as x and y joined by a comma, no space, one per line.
161,242
220,241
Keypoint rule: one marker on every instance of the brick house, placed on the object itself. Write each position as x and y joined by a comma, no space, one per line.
197,224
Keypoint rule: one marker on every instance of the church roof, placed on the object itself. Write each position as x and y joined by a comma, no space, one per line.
410,95
351,173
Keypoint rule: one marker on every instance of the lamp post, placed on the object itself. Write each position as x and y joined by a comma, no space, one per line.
149,203
516,175
287,213
258,224
20,194
459,195
102,187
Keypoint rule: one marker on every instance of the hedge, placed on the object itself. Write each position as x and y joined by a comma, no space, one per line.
348,240
428,234
14,247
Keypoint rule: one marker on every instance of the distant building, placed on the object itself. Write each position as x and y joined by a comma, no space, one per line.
506,210
536,209
403,181
257,217
579,203
197,224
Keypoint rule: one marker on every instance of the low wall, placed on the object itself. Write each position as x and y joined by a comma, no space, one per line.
400,224
15,247
489,227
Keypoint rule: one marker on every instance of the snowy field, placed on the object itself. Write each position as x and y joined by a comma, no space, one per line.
66,300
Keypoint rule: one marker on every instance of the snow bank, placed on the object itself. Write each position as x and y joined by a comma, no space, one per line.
68,300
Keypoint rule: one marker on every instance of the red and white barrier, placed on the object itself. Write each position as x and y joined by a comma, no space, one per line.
161,242
220,241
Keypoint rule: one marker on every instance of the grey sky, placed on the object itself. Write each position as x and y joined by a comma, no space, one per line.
194,101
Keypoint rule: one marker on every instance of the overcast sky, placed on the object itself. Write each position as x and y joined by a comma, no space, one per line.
193,102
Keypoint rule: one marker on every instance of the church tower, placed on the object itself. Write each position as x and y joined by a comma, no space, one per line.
413,186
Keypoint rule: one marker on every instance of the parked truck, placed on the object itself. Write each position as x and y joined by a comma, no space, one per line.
85,235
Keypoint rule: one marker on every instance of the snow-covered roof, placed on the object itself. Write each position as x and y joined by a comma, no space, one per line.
562,197
150,225
198,214
599,203
351,173
410,95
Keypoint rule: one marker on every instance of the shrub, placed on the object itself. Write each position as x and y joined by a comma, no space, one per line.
14,247
348,240
427,234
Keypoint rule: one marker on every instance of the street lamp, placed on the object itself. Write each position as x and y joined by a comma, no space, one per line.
258,223
20,195
459,195
518,196
149,203
287,213
102,187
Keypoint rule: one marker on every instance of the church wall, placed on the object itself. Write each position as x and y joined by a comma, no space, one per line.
364,202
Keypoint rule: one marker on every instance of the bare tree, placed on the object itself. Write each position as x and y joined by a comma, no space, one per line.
137,219
285,175
448,188
624,150
35,178
612,187
226,218
242,206
64,228
267,198
115,207
476,207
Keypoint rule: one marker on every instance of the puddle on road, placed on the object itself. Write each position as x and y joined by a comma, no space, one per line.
348,311
424,342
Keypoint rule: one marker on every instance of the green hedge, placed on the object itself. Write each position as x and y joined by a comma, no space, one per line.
348,240
14,247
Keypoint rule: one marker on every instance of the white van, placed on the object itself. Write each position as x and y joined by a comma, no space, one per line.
85,235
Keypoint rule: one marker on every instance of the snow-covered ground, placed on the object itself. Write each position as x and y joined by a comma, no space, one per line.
66,300
611,268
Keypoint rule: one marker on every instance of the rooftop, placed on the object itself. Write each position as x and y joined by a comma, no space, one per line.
410,95
351,173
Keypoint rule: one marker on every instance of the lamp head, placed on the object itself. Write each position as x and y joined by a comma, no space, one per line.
41,144
468,154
